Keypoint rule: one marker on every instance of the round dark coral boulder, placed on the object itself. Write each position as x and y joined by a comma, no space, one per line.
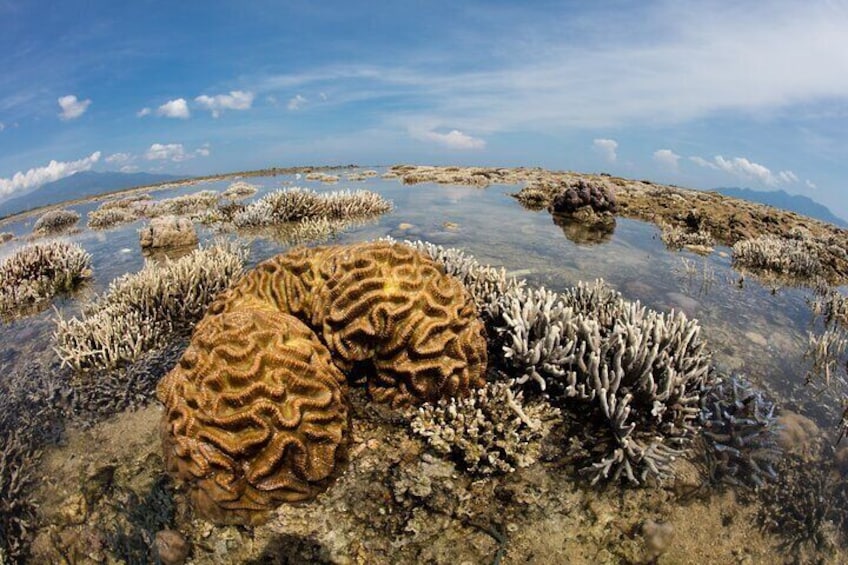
597,195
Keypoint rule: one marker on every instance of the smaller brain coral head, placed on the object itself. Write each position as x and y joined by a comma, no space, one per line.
255,415
393,307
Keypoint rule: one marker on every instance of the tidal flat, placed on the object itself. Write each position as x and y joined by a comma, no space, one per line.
97,490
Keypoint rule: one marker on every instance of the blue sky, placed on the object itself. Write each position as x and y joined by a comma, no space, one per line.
699,94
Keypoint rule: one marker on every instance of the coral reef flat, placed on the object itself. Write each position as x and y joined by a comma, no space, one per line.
497,475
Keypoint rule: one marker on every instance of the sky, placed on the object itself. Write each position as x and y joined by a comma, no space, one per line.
699,94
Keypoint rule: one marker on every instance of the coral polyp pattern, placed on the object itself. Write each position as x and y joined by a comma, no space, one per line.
382,305
256,415
256,410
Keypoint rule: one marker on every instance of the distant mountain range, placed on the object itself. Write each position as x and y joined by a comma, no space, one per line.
79,185
782,199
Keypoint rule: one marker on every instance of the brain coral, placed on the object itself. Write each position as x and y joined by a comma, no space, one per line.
382,307
255,414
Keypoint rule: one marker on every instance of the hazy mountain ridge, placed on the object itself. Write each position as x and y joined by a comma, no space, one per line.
79,185
781,199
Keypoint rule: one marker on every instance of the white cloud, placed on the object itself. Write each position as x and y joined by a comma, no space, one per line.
71,107
607,148
687,61
667,158
297,102
174,152
174,109
454,139
143,112
54,170
2,126
129,169
235,100
118,158
745,169
810,184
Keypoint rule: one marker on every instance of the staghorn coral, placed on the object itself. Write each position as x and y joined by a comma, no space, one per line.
491,431
677,237
378,306
256,414
37,272
789,257
140,310
55,222
740,429
103,218
129,209
297,204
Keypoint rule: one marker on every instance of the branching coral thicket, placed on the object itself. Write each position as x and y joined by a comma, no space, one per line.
632,375
37,272
298,204
740,429
782,256
129,209
677,237
140,310
492,431
55,222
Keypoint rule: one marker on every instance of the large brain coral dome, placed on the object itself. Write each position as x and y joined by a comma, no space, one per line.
256,411
381,304
256,414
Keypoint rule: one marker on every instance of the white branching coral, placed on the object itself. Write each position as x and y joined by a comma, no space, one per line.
791,257
131,208
492,431
37,272
140,310
239,189
633,376
296,204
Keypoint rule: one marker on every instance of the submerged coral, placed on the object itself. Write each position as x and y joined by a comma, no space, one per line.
492,431
37,272
740,429
255,414
140,310
55,222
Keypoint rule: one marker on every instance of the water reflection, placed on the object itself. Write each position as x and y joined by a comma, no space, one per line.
583,232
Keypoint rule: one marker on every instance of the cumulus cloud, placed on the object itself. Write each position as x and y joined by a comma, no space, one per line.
810,184
174,152
607,148
297,102
118,158
35,177
174,109
454,139
746,169
72,108
235,100
666,158
143,112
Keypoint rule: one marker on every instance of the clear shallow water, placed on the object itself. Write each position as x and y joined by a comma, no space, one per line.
749,328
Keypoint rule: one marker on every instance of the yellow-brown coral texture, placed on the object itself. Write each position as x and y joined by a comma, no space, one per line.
383,304
255,414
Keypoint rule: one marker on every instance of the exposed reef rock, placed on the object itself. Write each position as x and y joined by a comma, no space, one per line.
256,414
55,222
727,220
168,231
37,272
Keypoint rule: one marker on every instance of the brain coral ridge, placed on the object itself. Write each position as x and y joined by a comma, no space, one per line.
256,413
256,409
